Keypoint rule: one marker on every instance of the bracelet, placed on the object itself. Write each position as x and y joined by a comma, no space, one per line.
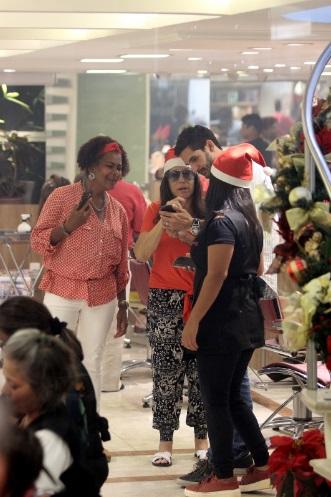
65,232
123,303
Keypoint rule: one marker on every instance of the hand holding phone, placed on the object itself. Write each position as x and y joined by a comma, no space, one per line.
167,208
84,199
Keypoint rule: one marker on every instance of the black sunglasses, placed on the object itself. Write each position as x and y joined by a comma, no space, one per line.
175,174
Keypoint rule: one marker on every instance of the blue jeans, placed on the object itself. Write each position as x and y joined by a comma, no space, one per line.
239,447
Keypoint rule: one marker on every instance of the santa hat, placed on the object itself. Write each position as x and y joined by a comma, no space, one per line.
235,165
171,163
170,153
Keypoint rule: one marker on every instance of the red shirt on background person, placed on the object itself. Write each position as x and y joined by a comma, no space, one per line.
132,199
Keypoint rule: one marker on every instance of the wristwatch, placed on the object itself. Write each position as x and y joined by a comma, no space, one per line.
124,304
195,226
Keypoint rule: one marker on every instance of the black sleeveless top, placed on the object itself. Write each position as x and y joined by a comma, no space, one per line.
234,321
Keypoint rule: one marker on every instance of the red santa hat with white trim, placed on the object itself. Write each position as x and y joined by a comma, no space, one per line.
234,165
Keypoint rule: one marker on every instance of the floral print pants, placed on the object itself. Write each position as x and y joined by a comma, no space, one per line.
170,364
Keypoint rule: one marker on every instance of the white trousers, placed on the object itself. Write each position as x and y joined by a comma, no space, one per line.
91,325
112,355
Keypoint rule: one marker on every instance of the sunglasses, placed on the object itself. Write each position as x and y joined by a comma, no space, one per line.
175,174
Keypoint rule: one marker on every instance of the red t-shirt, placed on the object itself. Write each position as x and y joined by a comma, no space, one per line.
134,203
163,274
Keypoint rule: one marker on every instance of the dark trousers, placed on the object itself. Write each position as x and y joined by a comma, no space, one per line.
221,375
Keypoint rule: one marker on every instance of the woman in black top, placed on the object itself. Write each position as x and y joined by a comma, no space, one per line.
226,323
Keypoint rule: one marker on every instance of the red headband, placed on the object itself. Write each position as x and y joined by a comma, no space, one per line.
111,147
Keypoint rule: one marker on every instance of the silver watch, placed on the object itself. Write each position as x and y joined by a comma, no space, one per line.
195,226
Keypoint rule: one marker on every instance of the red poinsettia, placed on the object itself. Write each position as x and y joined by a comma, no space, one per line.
293,456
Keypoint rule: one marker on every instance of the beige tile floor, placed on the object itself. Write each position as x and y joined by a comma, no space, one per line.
134,441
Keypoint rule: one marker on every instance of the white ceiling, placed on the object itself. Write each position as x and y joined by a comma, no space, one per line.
52,37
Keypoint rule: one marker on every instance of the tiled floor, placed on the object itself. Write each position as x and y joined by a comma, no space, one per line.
134,441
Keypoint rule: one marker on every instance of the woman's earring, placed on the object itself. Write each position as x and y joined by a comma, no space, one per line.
91,176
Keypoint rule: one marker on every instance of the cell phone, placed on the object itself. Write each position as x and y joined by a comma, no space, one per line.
84,199
184,262
167,208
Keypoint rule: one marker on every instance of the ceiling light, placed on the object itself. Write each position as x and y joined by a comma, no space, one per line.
9,70
262,48
194,58
180,49
106,71
295,68
280,65
309,63
103,61
225,69
202,71
295,44
253,67
326,73
249,52
268,70
145,56
328,66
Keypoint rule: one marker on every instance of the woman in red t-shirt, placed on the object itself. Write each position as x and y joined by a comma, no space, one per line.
169,293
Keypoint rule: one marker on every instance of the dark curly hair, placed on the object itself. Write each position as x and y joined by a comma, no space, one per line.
89,153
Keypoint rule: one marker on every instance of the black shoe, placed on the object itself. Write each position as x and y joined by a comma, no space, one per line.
242,464
202,469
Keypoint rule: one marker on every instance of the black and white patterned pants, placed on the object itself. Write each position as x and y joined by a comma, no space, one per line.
170,365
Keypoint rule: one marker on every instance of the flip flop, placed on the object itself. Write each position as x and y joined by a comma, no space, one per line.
162,455
201,454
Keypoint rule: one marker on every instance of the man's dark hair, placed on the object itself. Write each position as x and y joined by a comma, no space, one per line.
194,137
89,153
253,120
268,121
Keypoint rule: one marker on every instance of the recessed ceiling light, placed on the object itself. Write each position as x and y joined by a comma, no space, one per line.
145,56
309,63
194,58
295,44
249,52
103,61
295,68
328,66
224,69
9,70
262,48
180,49
202,71
280,65
268,70
326,73
253,67
106,71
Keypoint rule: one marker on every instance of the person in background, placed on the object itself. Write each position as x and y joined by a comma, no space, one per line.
132,199
198,146
49,186
226,323
39,372
24,312
284,122
170,288
251,130
269,129
82,235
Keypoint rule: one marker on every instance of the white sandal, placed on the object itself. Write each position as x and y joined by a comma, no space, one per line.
201,454
162,455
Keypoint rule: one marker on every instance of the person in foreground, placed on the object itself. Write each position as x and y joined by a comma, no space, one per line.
39,372
170,288
226,324
82,236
